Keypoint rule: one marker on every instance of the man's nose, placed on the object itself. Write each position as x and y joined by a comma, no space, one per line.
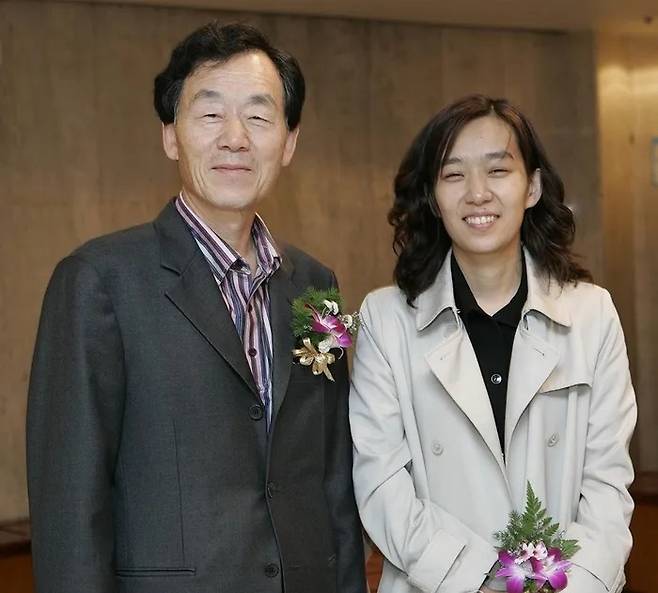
234,135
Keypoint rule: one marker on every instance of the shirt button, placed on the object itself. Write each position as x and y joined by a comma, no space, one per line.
271,570
437,448
252,352
496,379
553,439
255,412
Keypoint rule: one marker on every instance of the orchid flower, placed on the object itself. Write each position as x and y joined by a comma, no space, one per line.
515,573
332,306
338,336
540,551
552,569
527,552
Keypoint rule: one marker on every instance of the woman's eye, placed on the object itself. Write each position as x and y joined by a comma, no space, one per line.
499,171
452,176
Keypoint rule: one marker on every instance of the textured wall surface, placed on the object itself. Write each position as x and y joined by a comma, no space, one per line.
628,99
80,147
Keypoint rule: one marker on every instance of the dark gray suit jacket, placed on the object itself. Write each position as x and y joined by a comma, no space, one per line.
150,468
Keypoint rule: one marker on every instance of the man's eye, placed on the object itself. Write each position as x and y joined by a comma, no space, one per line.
258,118
211,116
499,171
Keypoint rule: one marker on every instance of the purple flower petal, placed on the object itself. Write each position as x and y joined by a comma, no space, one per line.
558,580
515,574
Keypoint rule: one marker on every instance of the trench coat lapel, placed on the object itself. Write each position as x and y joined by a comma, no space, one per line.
196,295
453,360
533,356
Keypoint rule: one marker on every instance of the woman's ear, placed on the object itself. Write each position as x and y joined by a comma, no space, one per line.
534,189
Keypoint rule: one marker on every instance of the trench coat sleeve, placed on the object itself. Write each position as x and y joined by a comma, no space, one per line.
430,545
74,415
338,488
605,506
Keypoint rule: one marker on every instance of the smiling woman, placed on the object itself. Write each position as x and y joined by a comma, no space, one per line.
492,365
447,158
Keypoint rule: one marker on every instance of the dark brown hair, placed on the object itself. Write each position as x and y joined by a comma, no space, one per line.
217,43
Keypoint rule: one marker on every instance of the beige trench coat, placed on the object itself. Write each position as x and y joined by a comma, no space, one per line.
431,481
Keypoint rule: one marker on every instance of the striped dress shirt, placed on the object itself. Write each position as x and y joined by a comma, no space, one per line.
246,295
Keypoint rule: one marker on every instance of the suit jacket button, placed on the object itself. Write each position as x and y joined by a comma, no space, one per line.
553,439
255,412
437,448
271,570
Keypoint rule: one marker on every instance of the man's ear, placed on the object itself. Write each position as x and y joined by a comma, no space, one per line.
289,147
534,189
169,141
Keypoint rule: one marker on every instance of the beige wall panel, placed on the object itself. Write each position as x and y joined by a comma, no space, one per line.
405,91
85,155
643,55
566,120
615,107
319,204
628,104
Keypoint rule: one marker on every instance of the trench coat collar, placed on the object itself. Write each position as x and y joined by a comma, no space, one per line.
543,296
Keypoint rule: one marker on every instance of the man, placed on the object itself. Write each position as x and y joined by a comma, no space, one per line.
173,446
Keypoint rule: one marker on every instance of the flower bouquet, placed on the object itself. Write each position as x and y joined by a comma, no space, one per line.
533,555
320,326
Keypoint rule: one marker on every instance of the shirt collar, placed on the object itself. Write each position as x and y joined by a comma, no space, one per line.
466,303
223,255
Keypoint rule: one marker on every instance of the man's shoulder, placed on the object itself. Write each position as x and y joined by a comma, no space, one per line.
120,246
306,265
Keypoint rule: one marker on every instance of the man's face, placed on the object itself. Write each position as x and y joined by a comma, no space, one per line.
230,136
483,190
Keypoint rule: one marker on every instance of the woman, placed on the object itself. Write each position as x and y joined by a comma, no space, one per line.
494,362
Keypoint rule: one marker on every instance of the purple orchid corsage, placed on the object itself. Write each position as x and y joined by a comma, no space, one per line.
320,326
533,556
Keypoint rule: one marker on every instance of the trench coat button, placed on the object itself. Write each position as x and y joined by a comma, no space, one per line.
270,489
256,412
496,379
553,439
271,570
437,448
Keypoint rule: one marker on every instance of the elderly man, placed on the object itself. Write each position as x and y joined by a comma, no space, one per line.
173,446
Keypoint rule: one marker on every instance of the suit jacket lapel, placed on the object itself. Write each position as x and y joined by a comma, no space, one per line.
196,294
282,293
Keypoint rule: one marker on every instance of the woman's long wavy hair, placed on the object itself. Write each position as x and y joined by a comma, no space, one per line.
421,241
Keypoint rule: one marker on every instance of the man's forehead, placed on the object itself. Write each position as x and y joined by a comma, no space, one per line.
253,62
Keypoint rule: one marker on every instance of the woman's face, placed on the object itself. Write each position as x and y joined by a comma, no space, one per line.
483,190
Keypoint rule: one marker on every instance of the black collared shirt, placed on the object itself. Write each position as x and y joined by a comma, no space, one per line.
492,338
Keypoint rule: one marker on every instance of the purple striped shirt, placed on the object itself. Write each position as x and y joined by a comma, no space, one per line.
246,295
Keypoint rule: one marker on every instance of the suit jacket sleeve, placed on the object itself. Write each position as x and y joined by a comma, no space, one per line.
350,559
430,545
74,415
605,507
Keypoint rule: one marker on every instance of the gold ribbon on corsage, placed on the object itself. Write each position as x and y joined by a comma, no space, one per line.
320,361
